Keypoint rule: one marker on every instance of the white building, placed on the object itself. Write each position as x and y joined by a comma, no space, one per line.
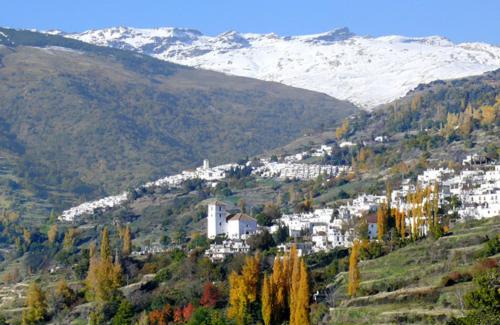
371,220
236,226
216,220
241,225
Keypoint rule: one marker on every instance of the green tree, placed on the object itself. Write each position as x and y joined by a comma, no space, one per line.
484,301
124,314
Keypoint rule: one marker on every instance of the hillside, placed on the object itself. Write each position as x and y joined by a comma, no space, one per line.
410,284
435,124
78,121
365,70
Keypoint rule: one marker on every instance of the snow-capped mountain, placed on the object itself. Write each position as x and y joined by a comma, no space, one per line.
365,70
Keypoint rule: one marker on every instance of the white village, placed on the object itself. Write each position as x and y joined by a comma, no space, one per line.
476,186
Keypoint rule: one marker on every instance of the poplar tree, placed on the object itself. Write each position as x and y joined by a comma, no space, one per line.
279,288
69,238
103,276
243,291
403,224
294,282
267,306
381,222
127,241
302,300
52,234
354,274
36,306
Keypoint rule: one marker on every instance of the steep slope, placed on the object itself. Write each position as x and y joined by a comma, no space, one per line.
364,70
422,283
79,120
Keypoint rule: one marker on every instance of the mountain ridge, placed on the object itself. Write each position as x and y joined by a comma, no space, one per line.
368,71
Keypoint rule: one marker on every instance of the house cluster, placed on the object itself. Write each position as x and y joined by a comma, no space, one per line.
321,226
297,171
205,172
91,207
476,187
289,169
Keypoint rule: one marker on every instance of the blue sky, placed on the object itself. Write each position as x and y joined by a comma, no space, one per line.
459,20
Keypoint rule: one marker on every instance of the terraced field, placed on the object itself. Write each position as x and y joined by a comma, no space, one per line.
406,286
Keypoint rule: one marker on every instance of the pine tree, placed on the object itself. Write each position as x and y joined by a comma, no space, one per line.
354,274
36,309
124,315
267,294
127,241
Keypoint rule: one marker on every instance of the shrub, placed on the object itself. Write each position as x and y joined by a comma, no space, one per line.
454,278
484,265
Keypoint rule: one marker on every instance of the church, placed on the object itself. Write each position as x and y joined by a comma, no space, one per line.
234,226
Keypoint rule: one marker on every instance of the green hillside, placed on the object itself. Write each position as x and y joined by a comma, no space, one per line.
78,121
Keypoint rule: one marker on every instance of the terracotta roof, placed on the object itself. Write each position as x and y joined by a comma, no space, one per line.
371,217
240,216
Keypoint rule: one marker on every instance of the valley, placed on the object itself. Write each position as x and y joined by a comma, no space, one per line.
146,178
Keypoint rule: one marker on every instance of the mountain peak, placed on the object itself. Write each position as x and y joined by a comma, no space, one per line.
334,35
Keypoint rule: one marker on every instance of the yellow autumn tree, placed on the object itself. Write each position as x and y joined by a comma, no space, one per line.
381,221
267,295
52,234
402,229
294,263
342,130
279,287
36,306
301,311
466,125
243,291
354,274
69,239
488,114
103,276
27,236
127,241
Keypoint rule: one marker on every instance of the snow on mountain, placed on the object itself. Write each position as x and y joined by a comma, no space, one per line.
365,70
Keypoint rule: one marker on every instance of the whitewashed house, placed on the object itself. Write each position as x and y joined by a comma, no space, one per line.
241,225
218,252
